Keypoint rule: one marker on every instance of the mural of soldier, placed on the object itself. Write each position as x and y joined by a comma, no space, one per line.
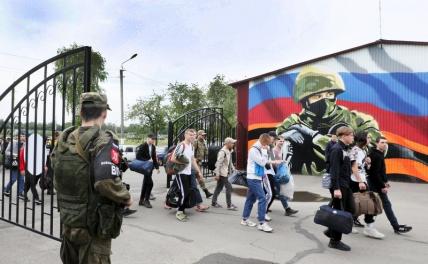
309,131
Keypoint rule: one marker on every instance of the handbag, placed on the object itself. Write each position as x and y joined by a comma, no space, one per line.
282,175
239,178
141,166
326,181
367,203
259,170
10,162
335,219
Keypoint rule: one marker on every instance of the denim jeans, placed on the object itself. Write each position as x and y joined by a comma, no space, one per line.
194,187
15,175
281,197
255,192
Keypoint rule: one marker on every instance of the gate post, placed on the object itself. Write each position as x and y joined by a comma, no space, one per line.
170,143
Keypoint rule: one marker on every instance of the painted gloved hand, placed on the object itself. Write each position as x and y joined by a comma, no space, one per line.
304,130
294,136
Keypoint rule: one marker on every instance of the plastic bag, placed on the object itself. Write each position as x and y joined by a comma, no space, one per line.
288,188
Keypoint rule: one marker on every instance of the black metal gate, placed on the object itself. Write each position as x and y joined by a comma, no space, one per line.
36,106
211,120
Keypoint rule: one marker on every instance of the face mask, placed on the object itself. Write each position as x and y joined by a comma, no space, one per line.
321,107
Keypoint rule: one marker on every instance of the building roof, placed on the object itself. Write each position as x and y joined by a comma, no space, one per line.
377,42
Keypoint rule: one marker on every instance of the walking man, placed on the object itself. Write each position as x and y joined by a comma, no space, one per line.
183,178
201,151
341,193
147,152
87,180
257,160
223,168
378,182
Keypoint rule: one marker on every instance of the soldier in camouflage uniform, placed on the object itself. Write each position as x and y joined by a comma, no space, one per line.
308,131
201,151
87,177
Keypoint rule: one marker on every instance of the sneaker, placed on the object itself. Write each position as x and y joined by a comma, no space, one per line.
232,208
152,197
373,233
268,218
141,203
127,212
354,231
290,212
265,227
248,223
357,223
22,197
401,229
339,245
6,193
37,201
181,216
207,193
216,205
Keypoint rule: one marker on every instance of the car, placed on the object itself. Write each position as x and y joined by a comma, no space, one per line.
128,152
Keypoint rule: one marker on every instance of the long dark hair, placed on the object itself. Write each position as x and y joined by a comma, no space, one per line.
361,139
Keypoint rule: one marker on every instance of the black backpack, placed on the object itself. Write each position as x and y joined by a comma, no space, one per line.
212,156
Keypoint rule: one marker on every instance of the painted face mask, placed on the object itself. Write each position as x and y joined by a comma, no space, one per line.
321,107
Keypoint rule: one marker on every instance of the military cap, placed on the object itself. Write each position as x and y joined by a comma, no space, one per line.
96,99
312,80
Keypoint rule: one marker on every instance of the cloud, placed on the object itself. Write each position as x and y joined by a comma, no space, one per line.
192,41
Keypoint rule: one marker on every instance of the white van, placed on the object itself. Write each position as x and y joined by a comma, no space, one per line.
128,152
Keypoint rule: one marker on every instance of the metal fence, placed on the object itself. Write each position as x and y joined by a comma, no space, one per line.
34,107
211,120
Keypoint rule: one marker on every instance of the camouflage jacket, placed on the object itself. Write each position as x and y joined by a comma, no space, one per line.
201,150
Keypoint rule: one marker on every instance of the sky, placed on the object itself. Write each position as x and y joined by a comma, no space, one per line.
191,41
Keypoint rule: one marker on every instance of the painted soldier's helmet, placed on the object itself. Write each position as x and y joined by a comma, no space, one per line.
312,80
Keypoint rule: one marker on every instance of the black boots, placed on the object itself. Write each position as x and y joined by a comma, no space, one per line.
339,245
207,193
290,212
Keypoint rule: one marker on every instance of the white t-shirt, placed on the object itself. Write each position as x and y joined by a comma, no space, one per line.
358,155
188,152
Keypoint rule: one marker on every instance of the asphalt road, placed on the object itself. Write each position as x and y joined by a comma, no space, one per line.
155,236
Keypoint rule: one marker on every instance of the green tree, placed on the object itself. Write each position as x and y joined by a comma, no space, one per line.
98,73
183,98
150,112
220,94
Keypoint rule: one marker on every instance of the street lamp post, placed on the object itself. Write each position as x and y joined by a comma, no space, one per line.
121,97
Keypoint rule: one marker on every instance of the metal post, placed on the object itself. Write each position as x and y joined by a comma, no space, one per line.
121,106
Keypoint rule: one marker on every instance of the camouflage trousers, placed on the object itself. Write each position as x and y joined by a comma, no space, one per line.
78,247
201,180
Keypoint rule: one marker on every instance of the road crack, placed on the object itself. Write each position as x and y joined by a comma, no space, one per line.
320,248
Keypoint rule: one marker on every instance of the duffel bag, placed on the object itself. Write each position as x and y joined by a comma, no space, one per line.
141,166
367,203
335,219
173,195
326,181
